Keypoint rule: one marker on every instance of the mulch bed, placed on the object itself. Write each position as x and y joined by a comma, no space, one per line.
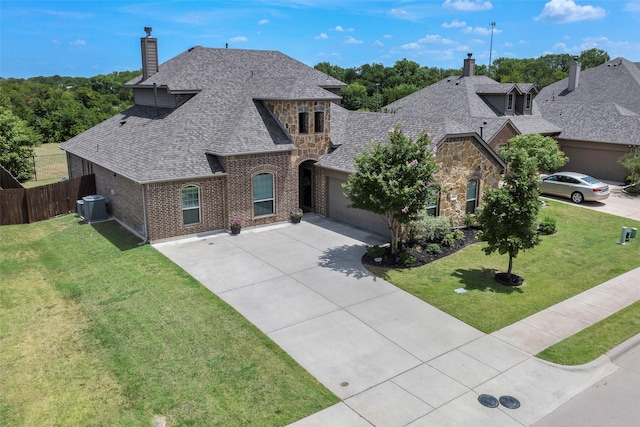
419,250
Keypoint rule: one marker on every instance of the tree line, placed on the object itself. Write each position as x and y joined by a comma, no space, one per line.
55,109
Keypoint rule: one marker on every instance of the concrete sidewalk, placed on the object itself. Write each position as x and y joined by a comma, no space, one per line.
392,359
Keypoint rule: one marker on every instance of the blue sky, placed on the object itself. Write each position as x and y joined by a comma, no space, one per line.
85,38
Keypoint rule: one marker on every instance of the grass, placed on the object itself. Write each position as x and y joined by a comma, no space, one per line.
597,339
51,165
97,330
582,254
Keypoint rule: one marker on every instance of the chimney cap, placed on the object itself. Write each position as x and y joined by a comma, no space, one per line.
469,55
148,31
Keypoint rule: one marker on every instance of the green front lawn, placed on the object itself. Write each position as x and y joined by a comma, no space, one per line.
582,254
97,330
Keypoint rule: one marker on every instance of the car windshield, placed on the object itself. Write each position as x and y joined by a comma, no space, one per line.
590,180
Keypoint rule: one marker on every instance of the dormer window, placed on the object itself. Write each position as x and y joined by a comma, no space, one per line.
527,105
510,102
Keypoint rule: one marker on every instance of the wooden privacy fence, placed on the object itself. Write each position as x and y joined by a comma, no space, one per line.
27,205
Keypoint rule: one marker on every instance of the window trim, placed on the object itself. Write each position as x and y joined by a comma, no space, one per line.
510,102
183,208
303,122
527,105
272,198
435,207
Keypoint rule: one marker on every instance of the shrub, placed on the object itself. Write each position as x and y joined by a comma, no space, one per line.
432,228
375,251
407,258
547,226
448,240
434,249
458,234
471,221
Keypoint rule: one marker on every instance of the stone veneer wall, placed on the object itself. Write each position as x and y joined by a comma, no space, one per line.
242,169
164,207
502,137
462,159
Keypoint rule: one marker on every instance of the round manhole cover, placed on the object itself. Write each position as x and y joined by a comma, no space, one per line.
488,401
509,402
344,384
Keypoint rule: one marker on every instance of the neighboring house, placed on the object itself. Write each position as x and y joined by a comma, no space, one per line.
598,110
496,111
222,134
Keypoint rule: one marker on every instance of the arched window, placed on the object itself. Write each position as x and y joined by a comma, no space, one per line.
263,202
472,196
190,205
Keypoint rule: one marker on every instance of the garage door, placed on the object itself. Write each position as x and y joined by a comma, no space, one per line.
338,209
599,163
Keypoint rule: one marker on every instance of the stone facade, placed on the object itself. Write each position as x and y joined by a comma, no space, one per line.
461,160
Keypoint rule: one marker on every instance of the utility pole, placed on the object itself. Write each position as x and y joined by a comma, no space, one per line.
493,24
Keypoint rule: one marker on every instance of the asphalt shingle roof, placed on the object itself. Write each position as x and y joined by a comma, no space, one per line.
605,107
458,98
226,116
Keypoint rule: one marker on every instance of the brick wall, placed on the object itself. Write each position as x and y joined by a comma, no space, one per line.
502,137
242,169
164,207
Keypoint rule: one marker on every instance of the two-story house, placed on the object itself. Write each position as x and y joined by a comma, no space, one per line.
217,135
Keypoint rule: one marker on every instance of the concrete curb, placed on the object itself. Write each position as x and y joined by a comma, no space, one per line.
620,350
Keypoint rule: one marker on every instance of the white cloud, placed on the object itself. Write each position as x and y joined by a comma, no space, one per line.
565,11
560,47
399,13
508,44
55,42
454,24
352,40
238,39
434,39
78,43
341,29
468,5
263,21
321,36
378,43
480,31
410,46
387,36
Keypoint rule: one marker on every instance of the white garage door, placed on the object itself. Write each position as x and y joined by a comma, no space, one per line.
338,209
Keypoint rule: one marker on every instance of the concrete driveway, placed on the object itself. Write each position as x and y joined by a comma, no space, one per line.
618,203
392,359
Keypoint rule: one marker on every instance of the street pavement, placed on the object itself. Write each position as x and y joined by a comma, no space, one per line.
393,359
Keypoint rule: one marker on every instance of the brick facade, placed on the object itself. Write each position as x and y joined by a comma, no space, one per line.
503,137
164,207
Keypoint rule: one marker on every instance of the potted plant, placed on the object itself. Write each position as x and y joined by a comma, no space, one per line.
296,216
236,225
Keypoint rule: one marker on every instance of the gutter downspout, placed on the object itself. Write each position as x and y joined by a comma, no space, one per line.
144,214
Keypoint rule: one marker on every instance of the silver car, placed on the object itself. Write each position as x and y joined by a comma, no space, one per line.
573,185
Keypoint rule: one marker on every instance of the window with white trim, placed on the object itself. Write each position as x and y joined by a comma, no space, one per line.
527,105
472,196
510,102
190,205
263,200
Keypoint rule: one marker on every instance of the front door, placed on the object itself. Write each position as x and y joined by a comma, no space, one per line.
306,186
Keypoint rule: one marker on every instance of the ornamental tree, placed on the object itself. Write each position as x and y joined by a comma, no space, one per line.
392,179
543,149
17,140
509,213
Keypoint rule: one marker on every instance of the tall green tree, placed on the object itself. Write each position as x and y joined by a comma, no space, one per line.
393,179
17,140
543,149
509,213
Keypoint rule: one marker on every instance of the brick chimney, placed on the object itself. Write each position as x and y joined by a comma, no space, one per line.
574,74
469,68
149,47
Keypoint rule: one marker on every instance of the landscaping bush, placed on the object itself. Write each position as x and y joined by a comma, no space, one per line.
433,249
448,240
431,228
458,234
547,226
471,221
407,258
375,251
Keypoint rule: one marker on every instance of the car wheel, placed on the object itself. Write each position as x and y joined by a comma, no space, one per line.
577,197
